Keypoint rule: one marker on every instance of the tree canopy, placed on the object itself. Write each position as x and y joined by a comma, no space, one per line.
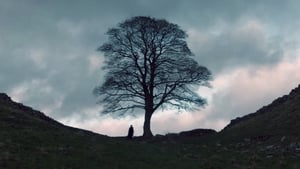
149,66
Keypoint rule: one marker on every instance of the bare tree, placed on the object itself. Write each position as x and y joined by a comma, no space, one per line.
149,66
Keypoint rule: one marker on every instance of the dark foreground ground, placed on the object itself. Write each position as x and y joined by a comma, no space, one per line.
76,149
269,139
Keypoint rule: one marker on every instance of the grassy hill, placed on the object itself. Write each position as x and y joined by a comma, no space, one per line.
268,138
278,121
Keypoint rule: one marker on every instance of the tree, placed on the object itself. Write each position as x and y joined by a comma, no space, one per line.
149,66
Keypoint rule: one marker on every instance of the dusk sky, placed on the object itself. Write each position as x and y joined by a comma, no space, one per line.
48,57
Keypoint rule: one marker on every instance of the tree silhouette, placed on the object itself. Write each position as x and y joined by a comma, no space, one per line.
149,66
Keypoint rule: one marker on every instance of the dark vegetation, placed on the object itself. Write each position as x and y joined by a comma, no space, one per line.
269,138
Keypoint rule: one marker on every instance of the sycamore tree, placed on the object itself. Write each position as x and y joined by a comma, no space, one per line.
149,66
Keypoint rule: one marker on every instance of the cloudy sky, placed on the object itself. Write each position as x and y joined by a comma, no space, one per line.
48,57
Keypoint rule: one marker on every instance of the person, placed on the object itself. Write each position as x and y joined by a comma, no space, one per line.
130,132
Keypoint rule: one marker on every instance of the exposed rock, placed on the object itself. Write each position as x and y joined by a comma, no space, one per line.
294,146
282,139
218,145
170,135
270,147
159,135
197,132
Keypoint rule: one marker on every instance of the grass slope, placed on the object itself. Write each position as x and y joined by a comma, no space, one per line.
31,140
280,120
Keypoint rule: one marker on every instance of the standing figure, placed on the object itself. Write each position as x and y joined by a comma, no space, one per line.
130,132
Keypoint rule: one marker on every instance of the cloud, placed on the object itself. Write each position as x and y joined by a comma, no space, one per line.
48,60
95,63
246,42
39,94
245,90
38,58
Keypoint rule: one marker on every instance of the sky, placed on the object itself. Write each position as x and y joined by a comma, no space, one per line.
49,61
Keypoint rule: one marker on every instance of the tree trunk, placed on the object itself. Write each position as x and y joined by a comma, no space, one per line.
147,127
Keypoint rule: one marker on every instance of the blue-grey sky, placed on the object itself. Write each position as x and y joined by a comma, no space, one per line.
48,57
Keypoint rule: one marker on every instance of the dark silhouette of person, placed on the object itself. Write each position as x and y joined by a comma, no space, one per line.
130,132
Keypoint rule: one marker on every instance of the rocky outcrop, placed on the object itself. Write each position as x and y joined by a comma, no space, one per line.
197,132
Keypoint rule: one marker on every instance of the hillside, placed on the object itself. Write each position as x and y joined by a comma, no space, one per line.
31,140
16,115
273,129
280,118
